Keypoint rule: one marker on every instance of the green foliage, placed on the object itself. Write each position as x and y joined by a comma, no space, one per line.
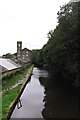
60,54
8,55
14,79
35,56
0,106
7,99
8,74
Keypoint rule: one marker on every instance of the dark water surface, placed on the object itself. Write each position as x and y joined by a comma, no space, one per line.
44,97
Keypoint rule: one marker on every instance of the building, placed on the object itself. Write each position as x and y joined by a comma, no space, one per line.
24,56
7,65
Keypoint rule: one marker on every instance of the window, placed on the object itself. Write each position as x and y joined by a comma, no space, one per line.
18,45
23,56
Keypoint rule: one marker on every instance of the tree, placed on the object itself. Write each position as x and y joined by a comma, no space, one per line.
60,54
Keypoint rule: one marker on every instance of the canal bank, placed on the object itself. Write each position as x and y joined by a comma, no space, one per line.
15,91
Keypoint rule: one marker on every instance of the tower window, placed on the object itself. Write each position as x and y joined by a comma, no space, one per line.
19,45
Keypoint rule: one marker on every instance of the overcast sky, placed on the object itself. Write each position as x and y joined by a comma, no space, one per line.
28,21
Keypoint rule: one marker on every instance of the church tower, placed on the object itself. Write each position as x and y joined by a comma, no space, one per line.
19,50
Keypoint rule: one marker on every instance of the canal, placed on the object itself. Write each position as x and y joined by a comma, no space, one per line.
44,97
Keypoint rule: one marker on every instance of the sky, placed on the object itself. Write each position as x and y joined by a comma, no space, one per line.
28,21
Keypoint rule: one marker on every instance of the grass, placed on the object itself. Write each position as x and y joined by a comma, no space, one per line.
14,79
0,87
7,99
8,74
11,95
11,81
0,106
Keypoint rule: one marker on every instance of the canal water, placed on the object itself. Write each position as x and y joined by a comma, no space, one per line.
45,97
32,97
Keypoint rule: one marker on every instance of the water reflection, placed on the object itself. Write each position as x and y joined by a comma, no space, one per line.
60,101
40,73
32,98
47,97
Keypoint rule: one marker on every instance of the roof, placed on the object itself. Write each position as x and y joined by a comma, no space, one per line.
26,49
12,62
2,69
7,64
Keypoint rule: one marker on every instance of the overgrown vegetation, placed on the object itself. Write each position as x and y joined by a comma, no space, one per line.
0,106
60,55
7,99
15,78
8,74
9,95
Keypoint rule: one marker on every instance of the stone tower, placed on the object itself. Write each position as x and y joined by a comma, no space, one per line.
19,50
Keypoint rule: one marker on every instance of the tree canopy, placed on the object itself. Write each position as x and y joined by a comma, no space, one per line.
60,54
